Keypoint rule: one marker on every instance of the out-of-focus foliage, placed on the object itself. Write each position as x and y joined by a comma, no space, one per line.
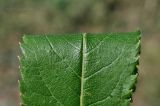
19,17
71,15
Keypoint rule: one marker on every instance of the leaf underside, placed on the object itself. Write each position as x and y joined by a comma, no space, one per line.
79,69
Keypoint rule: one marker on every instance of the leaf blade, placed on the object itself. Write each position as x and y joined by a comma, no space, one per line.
80,69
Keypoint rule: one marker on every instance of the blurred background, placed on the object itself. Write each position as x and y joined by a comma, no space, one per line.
18,17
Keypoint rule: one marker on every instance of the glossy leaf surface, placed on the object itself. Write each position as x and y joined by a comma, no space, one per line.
79,69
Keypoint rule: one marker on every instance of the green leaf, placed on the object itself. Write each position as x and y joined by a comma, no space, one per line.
79,69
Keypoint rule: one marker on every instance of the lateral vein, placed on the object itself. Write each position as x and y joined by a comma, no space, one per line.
98,45
51,45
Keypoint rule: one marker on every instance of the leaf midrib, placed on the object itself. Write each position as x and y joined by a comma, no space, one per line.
84,50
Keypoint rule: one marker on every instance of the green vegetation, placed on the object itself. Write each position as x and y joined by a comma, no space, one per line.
79,69
18,17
